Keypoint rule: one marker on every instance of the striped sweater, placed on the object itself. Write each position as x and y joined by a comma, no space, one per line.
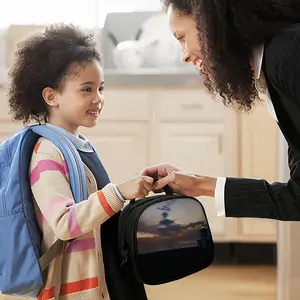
82,271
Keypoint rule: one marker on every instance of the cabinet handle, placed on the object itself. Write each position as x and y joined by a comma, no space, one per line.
196,106
220,144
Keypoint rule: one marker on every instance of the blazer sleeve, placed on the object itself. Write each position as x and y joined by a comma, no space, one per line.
258,198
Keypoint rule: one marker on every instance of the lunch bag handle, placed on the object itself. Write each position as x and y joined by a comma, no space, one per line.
167,189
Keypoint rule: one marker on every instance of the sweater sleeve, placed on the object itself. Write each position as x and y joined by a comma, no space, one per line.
50,186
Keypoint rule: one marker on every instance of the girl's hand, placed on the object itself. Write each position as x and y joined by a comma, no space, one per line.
138,187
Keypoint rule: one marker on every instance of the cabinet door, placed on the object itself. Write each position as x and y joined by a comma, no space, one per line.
258,140
197,147
122,135
17,33
122,147
7,127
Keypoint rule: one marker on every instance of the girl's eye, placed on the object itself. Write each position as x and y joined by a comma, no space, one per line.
88,90
101,88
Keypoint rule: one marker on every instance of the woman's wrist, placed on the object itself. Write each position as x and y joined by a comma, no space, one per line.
206,185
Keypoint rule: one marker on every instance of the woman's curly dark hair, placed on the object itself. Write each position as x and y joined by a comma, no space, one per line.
228,31
43,60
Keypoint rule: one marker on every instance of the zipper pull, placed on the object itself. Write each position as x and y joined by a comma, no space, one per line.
124,261
125,257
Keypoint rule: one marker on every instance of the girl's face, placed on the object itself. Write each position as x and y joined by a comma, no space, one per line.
185,31
81,98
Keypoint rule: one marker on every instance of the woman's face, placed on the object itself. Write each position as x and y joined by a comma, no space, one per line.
185,31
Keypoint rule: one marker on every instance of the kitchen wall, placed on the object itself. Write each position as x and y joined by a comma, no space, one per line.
148,113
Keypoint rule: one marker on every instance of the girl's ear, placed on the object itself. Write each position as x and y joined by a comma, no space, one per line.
49,96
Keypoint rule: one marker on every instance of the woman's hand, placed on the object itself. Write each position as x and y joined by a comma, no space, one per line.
138,187
181,181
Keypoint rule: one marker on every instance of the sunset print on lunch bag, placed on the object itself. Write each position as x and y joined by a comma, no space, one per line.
165,237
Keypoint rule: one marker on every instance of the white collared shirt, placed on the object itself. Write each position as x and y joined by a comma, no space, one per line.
80,142
261,86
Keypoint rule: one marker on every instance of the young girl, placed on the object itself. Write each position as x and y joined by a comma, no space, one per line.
57,78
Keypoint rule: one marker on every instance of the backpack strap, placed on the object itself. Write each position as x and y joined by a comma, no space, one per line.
56,250
72,157
78,188
50,254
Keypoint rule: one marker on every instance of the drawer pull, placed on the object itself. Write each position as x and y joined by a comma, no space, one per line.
220,143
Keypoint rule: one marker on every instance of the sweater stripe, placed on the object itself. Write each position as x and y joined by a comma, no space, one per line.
105,204
74,228
47,294
36,147
78,286
81,245
43,166
55,203
69,288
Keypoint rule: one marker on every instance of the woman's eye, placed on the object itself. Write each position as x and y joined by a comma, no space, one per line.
88,90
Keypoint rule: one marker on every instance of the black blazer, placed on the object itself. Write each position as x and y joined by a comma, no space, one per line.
259,198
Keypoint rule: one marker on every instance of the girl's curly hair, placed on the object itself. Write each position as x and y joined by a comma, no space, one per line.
228,31
43,60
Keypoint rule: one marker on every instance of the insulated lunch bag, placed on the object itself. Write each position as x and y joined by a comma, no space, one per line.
165,237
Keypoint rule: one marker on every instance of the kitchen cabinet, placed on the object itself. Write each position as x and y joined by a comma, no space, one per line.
182,126
122,135
7,127
146,125
185,127
258,145
143,125
193,132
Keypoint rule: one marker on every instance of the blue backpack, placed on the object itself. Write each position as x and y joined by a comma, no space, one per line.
21,263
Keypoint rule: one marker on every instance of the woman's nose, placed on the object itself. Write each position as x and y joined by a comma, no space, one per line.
186,57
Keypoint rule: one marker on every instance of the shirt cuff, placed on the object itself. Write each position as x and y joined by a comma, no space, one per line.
118,193
220,196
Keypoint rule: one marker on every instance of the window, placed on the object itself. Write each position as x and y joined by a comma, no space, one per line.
86,13
83,13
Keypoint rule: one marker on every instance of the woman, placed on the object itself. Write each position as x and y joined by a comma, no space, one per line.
245,50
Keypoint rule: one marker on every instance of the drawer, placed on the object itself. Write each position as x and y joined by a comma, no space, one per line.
188,105
126,104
